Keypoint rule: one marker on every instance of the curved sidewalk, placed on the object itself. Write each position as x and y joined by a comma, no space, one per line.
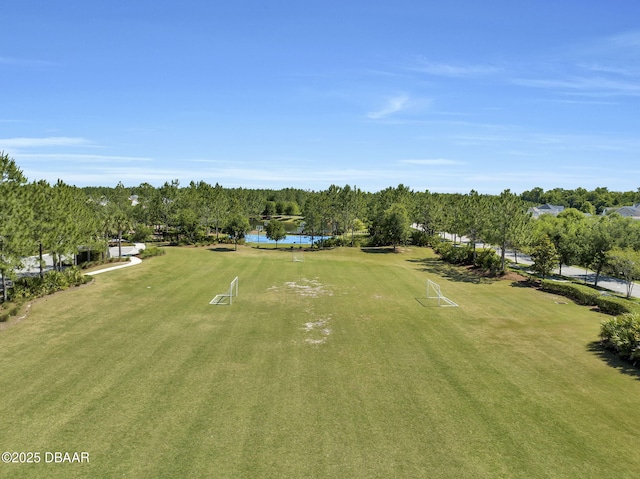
133,260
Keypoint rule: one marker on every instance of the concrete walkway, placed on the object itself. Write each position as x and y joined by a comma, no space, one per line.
32,268
133,260
606,282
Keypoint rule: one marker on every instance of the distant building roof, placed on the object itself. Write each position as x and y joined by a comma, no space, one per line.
627,211
547,209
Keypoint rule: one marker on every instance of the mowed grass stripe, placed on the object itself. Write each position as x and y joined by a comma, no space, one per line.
142,372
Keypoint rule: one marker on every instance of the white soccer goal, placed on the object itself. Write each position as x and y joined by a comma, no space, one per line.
227,298
433,292
297,256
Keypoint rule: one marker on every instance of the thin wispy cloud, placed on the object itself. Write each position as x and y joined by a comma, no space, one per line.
423,65
536,142
393,105
432,162
596,86
39,142
602,67
79,157
248,177
625,40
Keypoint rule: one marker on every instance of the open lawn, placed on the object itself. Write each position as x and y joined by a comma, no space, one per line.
336,367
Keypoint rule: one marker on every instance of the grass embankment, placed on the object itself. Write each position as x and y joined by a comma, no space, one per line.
333,367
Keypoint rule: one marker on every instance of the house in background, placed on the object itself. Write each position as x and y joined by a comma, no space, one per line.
632,212
545,209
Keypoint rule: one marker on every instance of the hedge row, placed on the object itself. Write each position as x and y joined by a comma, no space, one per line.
581,294
616,306
588,296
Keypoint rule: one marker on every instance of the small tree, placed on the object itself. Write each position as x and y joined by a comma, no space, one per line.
275,231
237,227
395,224
596,243
544,256
626,263
14,219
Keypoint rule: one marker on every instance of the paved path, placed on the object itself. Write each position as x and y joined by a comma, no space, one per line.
605,282
31,267
132,261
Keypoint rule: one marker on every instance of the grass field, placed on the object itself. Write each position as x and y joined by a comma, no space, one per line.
335,367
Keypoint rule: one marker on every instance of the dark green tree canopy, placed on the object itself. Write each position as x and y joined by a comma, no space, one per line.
276,231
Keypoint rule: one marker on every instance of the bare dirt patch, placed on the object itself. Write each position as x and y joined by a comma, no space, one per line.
508,275
317,332
309,288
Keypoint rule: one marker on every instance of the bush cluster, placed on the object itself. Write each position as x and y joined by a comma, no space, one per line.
35,286
151,251
332,242
336,241
12,311
485,259
420,238
622,336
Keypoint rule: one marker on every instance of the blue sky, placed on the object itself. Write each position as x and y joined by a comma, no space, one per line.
446,96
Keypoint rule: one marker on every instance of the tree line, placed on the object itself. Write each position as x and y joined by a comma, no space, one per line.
65,220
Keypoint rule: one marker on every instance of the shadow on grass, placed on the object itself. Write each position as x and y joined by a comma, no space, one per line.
222,249
614,361
451,272
520,284
378,250
525,284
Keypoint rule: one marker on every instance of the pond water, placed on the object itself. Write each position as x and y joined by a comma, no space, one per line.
289,239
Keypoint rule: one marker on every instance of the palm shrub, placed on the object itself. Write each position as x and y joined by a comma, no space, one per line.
622,335
35,287
488,260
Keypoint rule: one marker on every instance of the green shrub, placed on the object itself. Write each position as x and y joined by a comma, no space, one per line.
358,241
151,251
333,242
622,335
455,254
616,306
35,287
488,260
420,238
581,294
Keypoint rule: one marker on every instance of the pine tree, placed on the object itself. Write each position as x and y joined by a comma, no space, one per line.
14,219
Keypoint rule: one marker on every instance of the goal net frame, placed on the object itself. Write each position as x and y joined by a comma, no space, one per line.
433,292
297,256
227,298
